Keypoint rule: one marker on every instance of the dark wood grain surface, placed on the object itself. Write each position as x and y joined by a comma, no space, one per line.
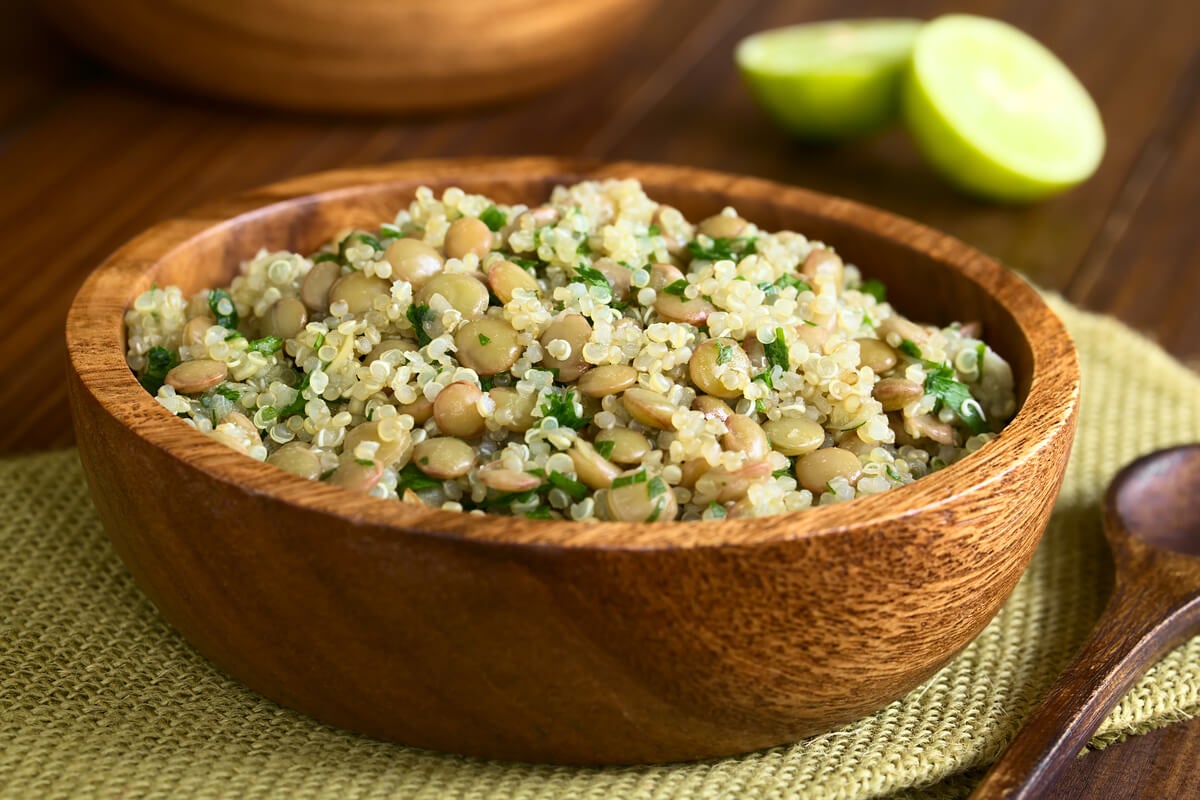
88,158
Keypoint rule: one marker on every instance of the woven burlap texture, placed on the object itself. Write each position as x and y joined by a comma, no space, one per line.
100,698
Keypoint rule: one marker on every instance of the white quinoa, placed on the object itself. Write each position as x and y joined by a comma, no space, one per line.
611,298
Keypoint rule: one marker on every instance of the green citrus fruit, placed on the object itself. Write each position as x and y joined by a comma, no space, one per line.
829,80
997,113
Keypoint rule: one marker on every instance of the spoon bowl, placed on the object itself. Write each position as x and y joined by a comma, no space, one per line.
1152,522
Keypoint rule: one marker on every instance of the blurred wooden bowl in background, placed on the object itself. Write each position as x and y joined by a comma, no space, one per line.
372,56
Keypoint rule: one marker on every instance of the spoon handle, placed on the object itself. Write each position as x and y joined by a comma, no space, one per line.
1140,624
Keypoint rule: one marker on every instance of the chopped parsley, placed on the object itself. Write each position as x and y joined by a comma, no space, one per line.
658,509
875,288
941,382
765,377
909,348
655,487
562,408
235,335
228,392
592,277
421,316
527,263
365,238
297,405
629,480
411,477
722,249
484,340
269,413
541,512
319,257
654,230
792,282
717,511
724,352
267,345
574,489
493,217
364,462
605,448
389,231
215,303
676,288
777,350
159,361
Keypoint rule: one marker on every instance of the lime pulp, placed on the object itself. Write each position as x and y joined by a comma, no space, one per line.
829,80
997,113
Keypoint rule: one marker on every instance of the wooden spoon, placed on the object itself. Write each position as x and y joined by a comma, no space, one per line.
1152,521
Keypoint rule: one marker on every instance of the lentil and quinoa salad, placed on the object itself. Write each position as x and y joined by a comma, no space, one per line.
595,357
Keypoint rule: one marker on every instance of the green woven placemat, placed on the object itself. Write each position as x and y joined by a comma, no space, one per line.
100,698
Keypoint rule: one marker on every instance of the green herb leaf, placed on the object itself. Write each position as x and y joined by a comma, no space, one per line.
527,263
235,335
217,300
267,345
653,230
562,408
411,477
484,340
297,405
892,473
724,352
541,512
421,315
781,473
791,281
909,348
327,474
365,238
629,480
676,288
574,489
591,276
605,448
228,392
777,351
766,378
655,487
319,257
717,511
723,249
159,361
875,288
389,231
941,382
364,462
658,509
493,217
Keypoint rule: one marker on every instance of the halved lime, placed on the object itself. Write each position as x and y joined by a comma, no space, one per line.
829,80
997,113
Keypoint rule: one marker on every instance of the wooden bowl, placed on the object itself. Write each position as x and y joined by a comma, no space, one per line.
363,56
560,641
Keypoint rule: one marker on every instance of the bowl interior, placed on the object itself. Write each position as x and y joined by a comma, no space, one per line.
929,276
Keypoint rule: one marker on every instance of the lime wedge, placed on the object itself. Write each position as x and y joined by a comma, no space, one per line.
829,80
997,113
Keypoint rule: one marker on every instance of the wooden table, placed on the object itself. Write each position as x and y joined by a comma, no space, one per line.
88,158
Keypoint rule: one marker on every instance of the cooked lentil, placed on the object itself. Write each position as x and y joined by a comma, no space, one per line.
594,357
